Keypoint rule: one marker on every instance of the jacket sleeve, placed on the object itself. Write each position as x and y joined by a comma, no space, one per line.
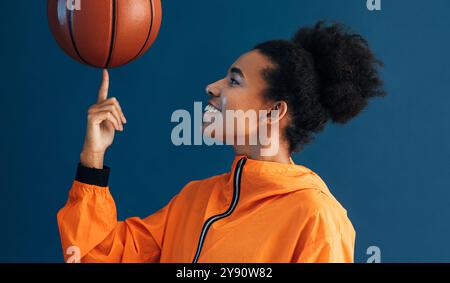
325,251
325,239
90,231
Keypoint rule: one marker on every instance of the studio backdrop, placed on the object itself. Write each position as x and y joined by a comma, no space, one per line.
389,167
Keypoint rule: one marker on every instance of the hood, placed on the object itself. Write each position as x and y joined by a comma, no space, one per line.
264,179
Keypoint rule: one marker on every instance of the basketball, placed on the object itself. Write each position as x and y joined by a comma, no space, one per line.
104,33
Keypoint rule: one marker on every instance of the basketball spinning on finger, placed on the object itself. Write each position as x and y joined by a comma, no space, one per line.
104,33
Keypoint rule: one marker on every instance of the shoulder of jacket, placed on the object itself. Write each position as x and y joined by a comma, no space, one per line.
205,184
315,202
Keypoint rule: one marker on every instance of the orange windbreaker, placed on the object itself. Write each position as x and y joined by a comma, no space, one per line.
258,212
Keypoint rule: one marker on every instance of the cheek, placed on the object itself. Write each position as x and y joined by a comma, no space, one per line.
230,100
249,104
240,99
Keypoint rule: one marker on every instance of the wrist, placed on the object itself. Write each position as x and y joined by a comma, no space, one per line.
92,159
92,176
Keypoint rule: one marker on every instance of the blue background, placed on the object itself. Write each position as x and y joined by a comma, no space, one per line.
389,167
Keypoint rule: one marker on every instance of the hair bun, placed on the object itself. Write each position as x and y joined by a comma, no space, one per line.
347,69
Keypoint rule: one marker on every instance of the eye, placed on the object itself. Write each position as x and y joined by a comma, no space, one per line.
233,82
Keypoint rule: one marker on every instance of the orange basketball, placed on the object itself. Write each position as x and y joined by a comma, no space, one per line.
104,33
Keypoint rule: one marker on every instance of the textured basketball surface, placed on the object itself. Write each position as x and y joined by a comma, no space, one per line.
105,33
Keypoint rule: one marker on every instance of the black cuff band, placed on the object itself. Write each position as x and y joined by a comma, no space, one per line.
93,176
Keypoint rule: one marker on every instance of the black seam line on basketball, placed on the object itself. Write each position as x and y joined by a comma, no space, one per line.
211,220
113,33
72,38
149,30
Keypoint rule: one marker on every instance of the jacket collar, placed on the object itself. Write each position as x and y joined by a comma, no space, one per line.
263,179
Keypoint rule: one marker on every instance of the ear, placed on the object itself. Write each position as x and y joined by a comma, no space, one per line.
281,107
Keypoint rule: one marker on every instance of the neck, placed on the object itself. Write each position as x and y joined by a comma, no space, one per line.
254,152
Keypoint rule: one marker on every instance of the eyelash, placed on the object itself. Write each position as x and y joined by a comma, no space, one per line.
233,82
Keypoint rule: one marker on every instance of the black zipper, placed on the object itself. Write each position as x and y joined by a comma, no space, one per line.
234,202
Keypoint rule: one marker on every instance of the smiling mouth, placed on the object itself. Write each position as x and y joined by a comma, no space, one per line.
211,109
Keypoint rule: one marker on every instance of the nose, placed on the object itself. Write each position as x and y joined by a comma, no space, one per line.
212,90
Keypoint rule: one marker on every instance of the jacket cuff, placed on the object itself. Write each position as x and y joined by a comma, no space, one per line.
93,176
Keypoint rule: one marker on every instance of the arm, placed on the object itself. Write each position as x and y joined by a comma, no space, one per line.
327,237
325,251
88,224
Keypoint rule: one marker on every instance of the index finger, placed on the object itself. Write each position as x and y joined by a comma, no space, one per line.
103,92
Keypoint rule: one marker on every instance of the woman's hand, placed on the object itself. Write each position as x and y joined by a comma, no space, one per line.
103,119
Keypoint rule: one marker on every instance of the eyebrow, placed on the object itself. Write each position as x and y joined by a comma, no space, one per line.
237,71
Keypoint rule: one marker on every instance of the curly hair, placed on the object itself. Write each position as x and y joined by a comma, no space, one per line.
324,72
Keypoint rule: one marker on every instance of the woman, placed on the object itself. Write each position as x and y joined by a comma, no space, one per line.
266,209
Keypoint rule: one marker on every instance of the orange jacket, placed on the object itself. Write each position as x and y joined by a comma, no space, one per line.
259,212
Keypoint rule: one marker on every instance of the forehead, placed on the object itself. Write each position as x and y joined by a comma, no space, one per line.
251,64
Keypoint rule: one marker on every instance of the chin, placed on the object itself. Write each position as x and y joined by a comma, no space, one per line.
214,136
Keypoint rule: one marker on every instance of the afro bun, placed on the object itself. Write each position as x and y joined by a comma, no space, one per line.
324,72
